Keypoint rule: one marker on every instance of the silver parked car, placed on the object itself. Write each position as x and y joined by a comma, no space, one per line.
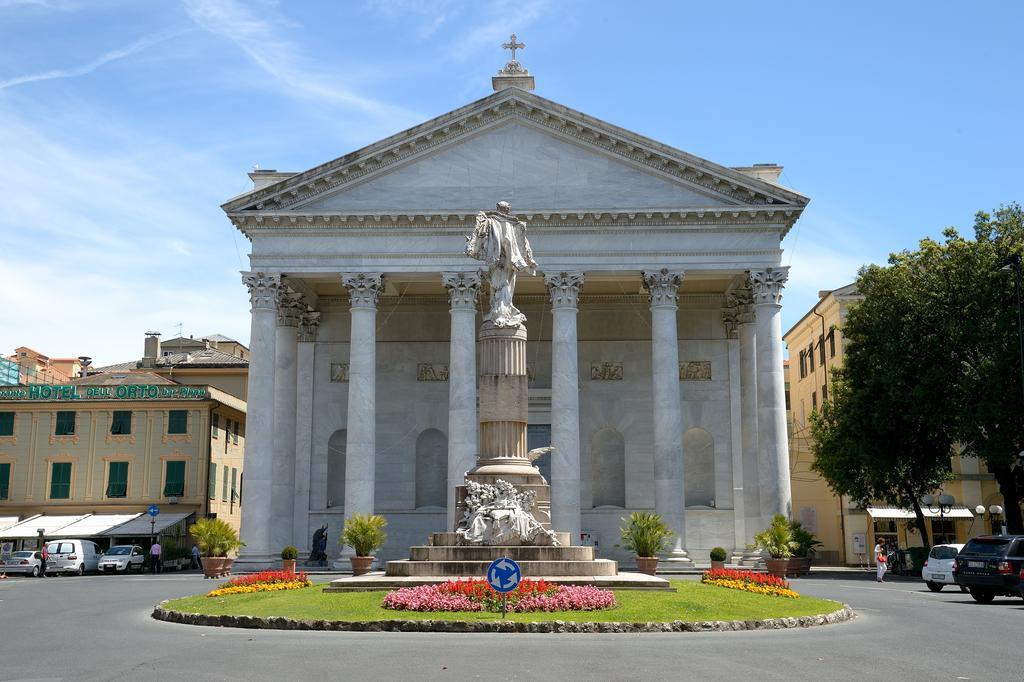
27,562
121,559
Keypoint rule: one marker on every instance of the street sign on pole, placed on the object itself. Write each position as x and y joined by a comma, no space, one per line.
153,510
504,575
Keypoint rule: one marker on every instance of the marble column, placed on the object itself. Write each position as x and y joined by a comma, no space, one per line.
747,332
730,315
309,325
669,500
463,289
259,432
564,288
285,352
361,443
772,438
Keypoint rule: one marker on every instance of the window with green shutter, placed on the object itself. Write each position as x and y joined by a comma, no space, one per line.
174,479
234,434
215,425
177,421
224,486
60,480
213,482
5,480
117,479
234,486
65,424
6,423
121,423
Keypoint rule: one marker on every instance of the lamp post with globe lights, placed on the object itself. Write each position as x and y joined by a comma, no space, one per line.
994,510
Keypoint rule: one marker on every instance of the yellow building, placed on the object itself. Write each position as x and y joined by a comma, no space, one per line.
848,533
93,454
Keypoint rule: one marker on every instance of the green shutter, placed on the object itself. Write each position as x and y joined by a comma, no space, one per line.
215,425
117,479
234,486
5,480
60,480
177,421
213,481
6,423
224,487
174,481
65,424
121,423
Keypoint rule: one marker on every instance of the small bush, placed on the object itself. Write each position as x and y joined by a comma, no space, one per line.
215,537
364,533
645,534
290,553
776,539
718,554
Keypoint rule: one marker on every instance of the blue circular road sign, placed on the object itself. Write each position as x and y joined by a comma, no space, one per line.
153,510
503,574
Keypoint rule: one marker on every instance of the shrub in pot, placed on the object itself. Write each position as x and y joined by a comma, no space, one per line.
365,534
646,535
289,555
777,541
717,558
215,539
807,544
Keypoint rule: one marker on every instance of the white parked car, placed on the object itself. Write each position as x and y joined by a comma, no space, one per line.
938,567
121,559
27,562
72,556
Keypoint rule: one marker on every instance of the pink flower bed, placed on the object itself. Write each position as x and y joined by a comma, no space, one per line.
478,596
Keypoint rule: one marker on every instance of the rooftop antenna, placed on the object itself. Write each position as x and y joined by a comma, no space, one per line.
180,325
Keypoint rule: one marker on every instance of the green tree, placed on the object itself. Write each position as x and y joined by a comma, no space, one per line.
876,438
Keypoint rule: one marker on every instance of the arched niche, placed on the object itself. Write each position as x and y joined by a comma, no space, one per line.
608,468
431,469
699,467
336,450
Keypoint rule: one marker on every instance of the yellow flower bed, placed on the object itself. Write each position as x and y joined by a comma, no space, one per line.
260,587
746,586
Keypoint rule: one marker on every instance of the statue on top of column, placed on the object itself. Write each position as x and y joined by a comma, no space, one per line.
499,239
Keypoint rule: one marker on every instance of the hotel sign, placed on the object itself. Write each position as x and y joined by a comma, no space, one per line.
70,392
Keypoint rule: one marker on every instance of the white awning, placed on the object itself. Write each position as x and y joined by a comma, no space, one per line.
140,525
93,525
29,528
8,521
890,512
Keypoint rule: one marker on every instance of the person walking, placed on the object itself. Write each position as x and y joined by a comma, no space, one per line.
881,560
196,563
44,557
155,551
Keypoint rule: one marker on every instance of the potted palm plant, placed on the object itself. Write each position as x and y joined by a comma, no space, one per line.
717,558
215,539
777,540
646,535
806,545
365,534
289,556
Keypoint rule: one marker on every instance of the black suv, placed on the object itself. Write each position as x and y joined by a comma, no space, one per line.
991,565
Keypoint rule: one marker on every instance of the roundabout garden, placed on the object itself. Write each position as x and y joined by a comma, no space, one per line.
722,600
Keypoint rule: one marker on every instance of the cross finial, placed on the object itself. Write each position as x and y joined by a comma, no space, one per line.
513,45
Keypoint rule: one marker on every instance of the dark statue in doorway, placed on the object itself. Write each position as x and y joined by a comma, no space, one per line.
318,556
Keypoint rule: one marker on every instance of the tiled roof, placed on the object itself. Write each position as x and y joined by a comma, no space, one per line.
202,358
127,378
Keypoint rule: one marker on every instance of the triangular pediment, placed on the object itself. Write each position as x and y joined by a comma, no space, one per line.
519,147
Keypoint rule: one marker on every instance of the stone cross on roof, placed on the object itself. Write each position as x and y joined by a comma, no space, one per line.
513,45
513,75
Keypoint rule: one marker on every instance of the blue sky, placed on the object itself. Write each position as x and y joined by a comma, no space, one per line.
124,125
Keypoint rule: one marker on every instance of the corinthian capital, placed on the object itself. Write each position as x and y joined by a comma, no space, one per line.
742,302
463,289
289,306
663,286
363,288
564,288
767,284
262,289
309,324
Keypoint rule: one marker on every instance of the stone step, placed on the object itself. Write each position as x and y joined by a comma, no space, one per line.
450,539
530,569
490,553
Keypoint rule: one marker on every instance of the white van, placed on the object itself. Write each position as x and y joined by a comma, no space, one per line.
72,556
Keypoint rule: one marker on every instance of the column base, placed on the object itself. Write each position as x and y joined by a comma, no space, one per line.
247,562
752,558
678,558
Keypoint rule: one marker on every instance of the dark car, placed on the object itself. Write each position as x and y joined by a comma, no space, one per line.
990,566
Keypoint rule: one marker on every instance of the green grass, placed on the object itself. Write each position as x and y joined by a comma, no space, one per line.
692,601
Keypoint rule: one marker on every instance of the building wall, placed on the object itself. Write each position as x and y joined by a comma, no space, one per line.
227,447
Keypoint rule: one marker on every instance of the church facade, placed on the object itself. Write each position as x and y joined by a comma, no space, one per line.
654,350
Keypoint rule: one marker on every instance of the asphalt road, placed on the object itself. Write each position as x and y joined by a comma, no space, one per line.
99,628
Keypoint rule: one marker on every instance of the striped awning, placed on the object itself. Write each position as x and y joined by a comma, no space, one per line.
892,512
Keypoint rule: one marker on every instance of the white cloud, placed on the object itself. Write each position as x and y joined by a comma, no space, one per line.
91,66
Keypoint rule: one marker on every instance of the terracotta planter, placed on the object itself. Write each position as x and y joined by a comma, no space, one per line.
216,566
288,565
717,565
647,564
777,567
361,564
798,566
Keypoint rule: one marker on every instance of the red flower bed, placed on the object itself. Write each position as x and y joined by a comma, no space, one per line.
748,581
267,578
478,595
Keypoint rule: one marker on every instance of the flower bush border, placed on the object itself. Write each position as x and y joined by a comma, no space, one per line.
748,581
264,581
478,595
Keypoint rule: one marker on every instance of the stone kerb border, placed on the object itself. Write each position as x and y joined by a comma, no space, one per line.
559,626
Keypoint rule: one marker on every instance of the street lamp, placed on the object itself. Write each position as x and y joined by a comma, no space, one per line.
939,504
1013,264
994,510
